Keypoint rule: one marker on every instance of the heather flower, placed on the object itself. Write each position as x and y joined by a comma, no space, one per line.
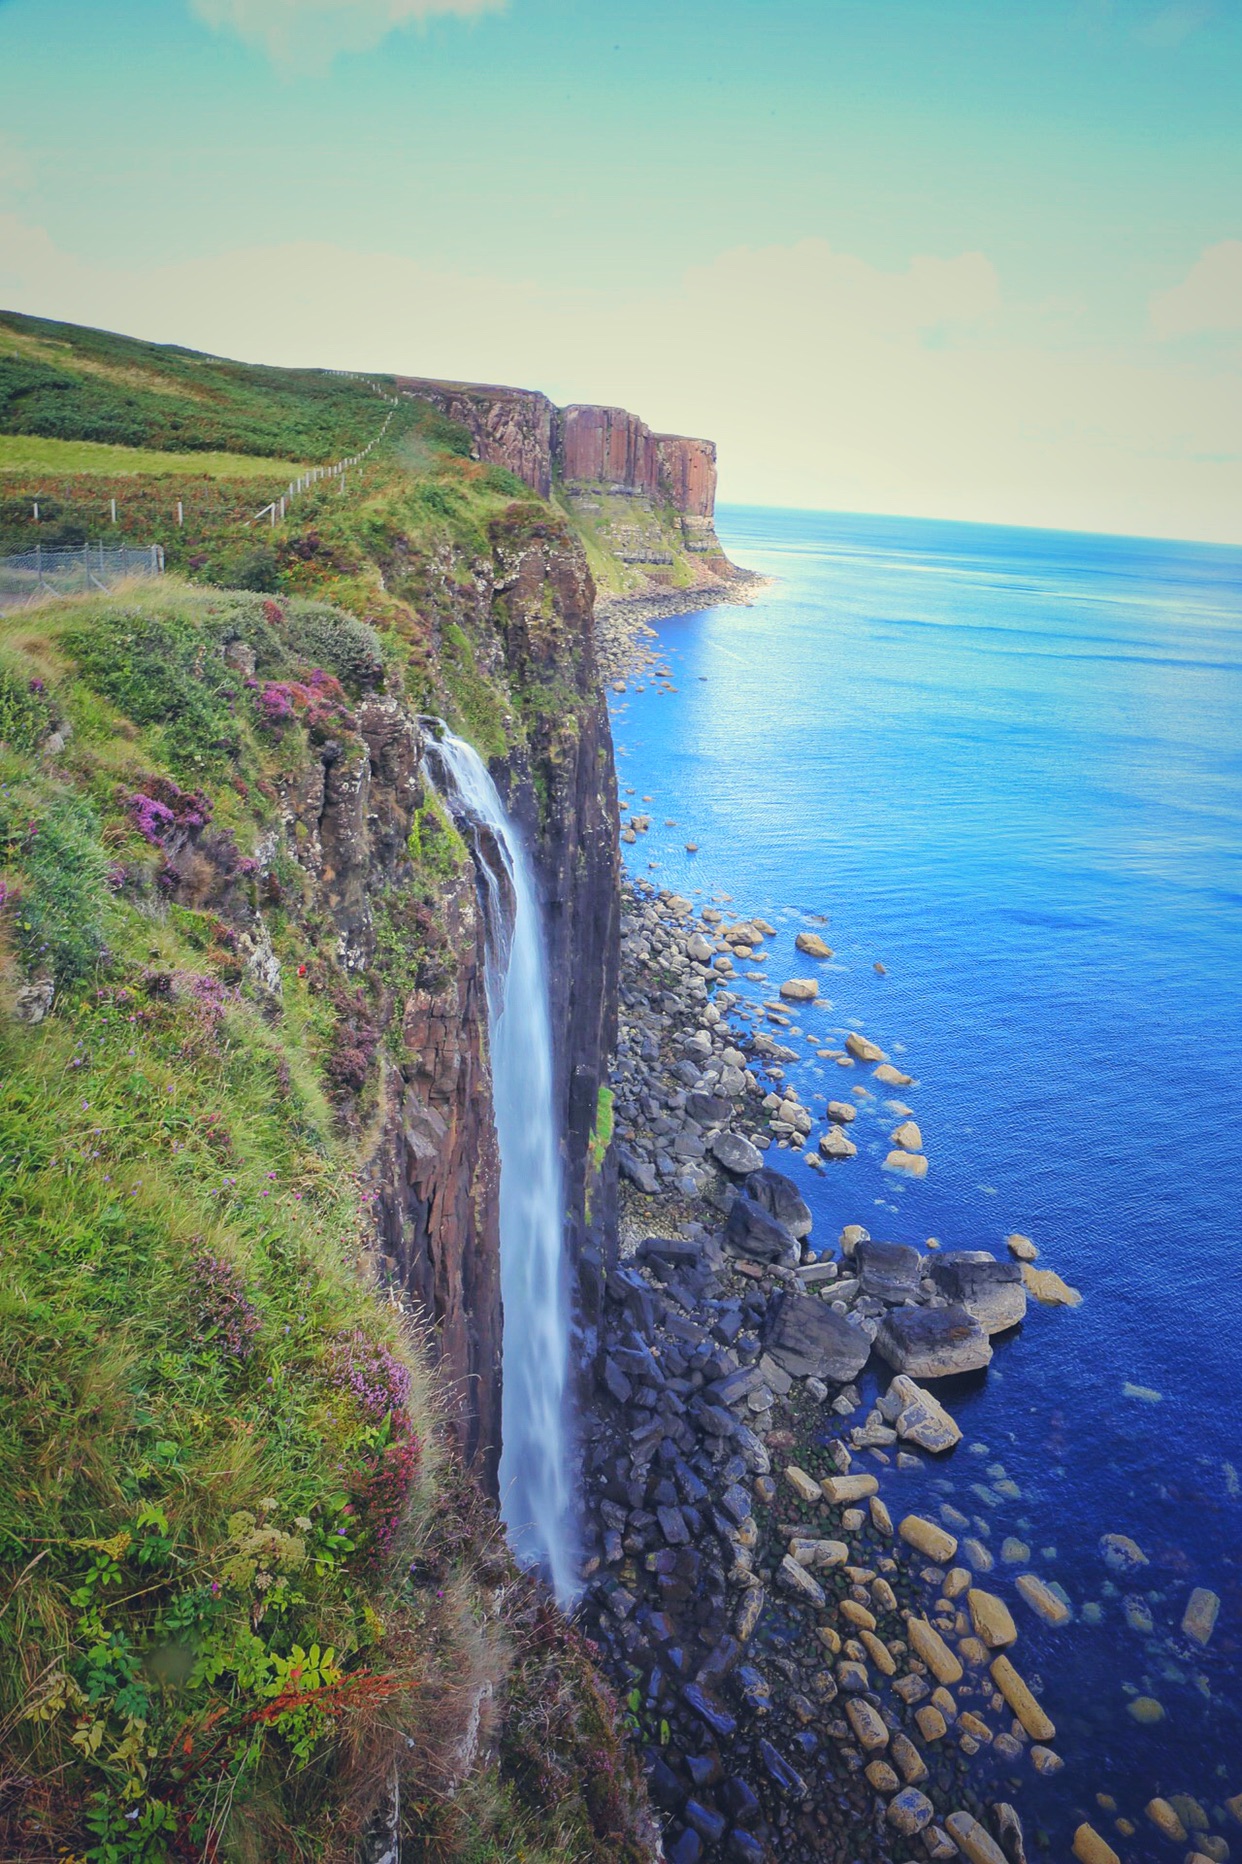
227,1317
366,1368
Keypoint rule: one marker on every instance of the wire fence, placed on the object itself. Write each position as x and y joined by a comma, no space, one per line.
38,575
279,506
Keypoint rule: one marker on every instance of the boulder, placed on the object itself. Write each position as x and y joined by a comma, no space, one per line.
930,1648
925,1537
736,1154
1199,1618
892,1077
753,1231
1049,1605
862,1050
973,1840
932,1342
794,1578
708,1109
842,1490
1021,1700
800,990
1090,1848
810,1340
841,1112
889,1271
813,945
781,1198
909,1812
1021,1247
991,1618
698,948
990,1290
834,1145
922,1419
907,1136
851,1236
1121,1555
914,1164
638,1171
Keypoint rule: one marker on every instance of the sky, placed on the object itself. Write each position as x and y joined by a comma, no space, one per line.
974,259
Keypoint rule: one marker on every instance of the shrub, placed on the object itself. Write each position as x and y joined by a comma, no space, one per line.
317,632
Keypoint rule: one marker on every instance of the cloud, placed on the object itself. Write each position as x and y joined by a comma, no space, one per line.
826,382
1209,298
1174,24
308,34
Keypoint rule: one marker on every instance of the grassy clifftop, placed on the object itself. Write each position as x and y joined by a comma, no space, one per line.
243,1579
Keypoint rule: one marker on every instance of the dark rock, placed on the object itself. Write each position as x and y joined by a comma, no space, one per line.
781,1198
744,1847
706,1821
1008,1828
739,1800
708,1109
665,1789
889,1271
779,1770
721,1723
992,1291
638,1171
686,1848
753,1231
736,1154
736,1386
810,1340
704,1769
719,1662
932,1342
673,1526
616,1382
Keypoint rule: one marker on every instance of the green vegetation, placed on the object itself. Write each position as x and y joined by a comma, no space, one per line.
25,453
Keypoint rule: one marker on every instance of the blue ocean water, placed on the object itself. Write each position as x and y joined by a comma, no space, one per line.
1007,765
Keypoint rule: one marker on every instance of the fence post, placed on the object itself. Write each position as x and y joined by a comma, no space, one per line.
114,511
180,513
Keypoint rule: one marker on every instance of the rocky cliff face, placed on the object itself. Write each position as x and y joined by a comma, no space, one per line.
688,470
511,427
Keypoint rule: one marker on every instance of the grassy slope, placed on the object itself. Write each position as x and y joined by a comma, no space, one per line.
31,453
235,1555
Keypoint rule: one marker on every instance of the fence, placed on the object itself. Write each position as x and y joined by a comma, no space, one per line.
35,575
280,505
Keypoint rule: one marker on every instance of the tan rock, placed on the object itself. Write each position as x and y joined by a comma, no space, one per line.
1021,1247
1165,1820
925,1537
943,1700
972,1840
862,1050
879,1653
813,945
870,1728
907,1758
1038,1725
834,1145
882,1596
805,1487
840,1490
881,1519
1048,1287
930,1648
800,990
957,1582
931,1723
1233,1806
907,1136
914,1164
1042,1599
1199,1618
1042,1758
857,1614
892,1077
992,1618
881,1777
975,1726
1146,1711
973,1651
851,1236
842,1112
1090,1848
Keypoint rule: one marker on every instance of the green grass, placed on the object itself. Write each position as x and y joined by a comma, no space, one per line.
28,453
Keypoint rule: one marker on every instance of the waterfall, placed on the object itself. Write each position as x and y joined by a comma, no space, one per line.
534,1458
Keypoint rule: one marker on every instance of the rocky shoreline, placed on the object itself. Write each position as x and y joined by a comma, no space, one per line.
812,1680
623,629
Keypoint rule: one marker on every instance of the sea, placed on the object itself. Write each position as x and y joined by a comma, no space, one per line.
1006,766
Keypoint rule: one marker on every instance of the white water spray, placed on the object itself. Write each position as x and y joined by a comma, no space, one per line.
534,1457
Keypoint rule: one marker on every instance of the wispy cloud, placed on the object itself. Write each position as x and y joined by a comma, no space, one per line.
1209,298
1175,23
308,34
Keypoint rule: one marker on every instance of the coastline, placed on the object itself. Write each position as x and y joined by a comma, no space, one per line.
623,623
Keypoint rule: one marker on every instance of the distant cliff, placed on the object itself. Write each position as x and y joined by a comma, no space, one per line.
644,503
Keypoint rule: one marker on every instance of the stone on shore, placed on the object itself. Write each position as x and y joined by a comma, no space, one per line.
930,1648
914,1164
870,1730
889,1271
925,1537
800,990
1042,1599
862,1050
892,1077
809,1339
932,1342
991,1618
698,948
972,1839
780,1197
1166,1821
1020,1699
797,1580
1090,1848
805,1487
753,1231
736,1154
842,1490
813,945
990,1290
922,1419
1199,1618
1046,1286
910,1812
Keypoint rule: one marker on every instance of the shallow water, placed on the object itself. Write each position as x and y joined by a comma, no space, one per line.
1008,766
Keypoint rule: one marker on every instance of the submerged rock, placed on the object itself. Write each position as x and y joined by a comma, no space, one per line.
800,989
813,945
914,1164
1121,1555
1046,1285
862,1050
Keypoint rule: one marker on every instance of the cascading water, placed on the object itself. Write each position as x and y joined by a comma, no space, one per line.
534,1458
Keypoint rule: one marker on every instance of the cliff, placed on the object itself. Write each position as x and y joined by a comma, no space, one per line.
245,1063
